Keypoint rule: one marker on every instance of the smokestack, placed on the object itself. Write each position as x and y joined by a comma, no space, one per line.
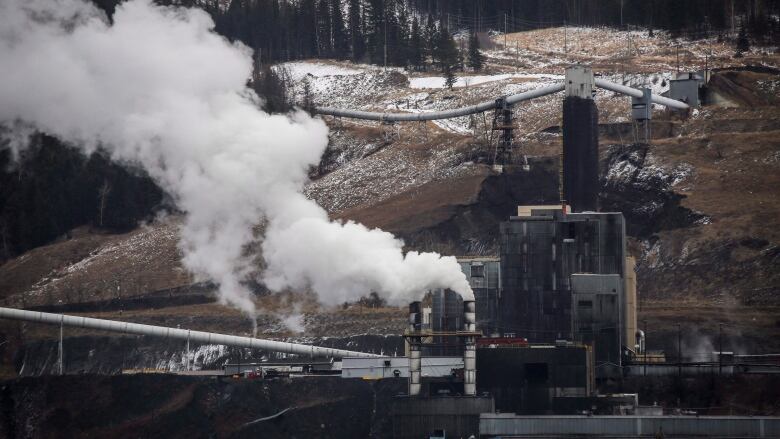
415,364
469,316
469,351
415,317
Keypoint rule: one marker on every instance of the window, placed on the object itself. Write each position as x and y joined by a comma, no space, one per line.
477,271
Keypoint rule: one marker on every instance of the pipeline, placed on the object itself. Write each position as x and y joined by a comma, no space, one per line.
490,105
444,114
180,334
629,91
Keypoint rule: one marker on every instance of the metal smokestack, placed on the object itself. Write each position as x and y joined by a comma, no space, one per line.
469,315
470,349
415,364
415,316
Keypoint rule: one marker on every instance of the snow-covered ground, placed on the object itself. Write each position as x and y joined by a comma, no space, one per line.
299,70
471,80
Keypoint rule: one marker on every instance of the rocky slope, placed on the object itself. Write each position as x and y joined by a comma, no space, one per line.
700,199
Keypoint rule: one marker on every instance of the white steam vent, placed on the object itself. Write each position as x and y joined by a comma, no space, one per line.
158,88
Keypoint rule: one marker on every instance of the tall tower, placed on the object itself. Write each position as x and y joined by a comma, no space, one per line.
580,161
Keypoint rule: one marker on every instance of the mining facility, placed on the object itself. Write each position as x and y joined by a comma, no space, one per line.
554,314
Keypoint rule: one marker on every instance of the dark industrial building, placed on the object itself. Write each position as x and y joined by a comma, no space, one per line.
536,379
564,278
453,416
484,276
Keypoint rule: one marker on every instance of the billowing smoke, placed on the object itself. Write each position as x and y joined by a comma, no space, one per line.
158,88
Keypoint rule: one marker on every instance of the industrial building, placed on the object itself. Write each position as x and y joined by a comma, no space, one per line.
560,276
536,379
484,276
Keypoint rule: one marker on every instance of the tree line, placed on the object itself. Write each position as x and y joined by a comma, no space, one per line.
382,32
53,187
685,17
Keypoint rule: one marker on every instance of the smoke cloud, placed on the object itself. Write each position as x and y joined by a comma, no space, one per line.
158,88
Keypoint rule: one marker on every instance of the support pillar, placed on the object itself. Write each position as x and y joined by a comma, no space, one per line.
60,349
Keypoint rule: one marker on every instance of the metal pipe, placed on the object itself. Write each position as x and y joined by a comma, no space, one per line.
488,105
182,334
435,115
630,91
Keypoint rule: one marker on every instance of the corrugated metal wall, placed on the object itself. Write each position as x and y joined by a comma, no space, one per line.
505,426
538,255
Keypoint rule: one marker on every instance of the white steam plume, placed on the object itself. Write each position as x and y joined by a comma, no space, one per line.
160,89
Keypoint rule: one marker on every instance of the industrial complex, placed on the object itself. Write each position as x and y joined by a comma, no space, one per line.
554,314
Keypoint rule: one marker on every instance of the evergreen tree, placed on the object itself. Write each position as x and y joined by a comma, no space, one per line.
307,29
375,25
429,36
403,52
447,55
415,46
475,58
393,45
743,43
324,37
356,38
340,37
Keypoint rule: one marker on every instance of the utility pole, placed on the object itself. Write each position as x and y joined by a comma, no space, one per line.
479,27
621,13
678,58
384,15
720,349
732,17
504,30
61,350
679,351
644,325
565,39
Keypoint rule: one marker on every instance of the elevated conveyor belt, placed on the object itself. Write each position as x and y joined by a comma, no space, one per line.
490,105
180,334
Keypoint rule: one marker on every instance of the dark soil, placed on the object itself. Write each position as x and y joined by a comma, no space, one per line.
164,406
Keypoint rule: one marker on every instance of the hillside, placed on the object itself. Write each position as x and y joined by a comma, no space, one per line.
700,200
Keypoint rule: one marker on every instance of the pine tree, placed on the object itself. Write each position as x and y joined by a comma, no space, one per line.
307,29
415,46
394,48
429,36
447,55
375,25
340,37
475,58
404,52
743,43
324,37
356,38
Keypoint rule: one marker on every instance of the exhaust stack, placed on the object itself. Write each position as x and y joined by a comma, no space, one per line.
415,363
470,349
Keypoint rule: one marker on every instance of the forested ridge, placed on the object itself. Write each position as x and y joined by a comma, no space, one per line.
403,32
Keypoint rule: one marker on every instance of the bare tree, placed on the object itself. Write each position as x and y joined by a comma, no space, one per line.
103,192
